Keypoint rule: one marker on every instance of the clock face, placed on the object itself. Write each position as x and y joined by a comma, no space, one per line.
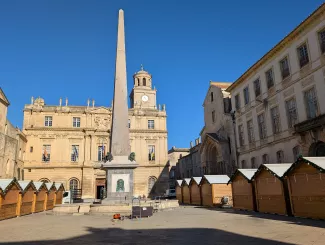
145,98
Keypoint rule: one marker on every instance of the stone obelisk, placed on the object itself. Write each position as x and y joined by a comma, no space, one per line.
119,170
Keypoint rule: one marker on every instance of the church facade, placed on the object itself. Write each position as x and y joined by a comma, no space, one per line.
65,143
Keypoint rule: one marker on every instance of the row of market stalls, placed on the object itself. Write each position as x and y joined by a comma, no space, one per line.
19,198
209,190
296,189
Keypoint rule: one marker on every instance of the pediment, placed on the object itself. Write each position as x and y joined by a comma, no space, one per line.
3,98
100,110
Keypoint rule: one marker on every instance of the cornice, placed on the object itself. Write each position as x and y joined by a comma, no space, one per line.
311,19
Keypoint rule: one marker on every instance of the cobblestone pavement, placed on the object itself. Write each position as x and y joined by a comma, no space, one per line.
187,225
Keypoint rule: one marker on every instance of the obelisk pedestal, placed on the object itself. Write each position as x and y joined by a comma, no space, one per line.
119,171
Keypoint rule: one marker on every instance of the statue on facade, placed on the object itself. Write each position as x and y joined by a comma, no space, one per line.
132,156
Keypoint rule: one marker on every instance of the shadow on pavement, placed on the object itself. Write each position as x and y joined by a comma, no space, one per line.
111,236
287,219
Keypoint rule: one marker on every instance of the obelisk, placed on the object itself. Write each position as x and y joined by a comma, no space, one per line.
120,142
119,170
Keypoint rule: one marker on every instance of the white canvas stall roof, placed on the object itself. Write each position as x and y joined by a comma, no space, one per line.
49,185
4,183
179,182
39,184
58,185
248,173
24,184
278,168
197,180
319,161
186,181
216,179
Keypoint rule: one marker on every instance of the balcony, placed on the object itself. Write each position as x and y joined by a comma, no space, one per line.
310,124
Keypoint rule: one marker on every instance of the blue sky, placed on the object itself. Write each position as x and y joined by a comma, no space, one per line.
66,48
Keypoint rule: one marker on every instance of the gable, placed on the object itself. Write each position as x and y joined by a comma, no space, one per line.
3,98
100,110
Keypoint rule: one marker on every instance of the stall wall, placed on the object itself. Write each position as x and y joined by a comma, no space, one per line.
242,192
9,203
219,191
307,191
206,190
186,194
269,193
179,195
27,199
195,194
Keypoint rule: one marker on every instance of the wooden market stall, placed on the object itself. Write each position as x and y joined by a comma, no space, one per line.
306,184
26,198
186,191
178,190
195,191
50,196
40,197
243,193
271,191
214,188
10,190
59,193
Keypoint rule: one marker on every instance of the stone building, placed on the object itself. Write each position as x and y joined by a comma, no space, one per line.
12,144
218,153
66,142
279,101
174,154
190,165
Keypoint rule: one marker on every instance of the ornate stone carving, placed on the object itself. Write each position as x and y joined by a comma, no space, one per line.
307,81
102,122
288,92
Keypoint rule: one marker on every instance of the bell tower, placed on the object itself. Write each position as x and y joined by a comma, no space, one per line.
142,94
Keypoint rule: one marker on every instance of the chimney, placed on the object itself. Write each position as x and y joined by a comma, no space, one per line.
88,102
60,102
191,144
66,101
199,140
93,103
32,100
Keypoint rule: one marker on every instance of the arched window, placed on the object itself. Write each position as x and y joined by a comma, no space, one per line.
265,159
45,180
151,182
138,81
74,184
144,82
243,164
253,162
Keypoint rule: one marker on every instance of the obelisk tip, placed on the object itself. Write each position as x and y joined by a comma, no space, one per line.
121,11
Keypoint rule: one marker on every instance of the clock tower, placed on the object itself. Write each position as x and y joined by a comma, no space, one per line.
143,95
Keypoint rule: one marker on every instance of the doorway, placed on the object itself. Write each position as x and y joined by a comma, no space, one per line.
99,191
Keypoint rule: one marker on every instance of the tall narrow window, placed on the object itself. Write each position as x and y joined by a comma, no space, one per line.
246,95
296,152
291,112
211,95
237,102
261,126
303,55
144,82
311,103
138,81
48,121
253,162
257,87
46,153
74,184
101,152
250,131
74,153
275,117
321,36
280,156
269,78
213,116
265,159
284,67
243,164
241,135
31,149
76,122
129,123
151,124
151,153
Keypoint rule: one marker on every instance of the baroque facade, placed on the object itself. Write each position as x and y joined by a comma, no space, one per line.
279,101
66,143
12,144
